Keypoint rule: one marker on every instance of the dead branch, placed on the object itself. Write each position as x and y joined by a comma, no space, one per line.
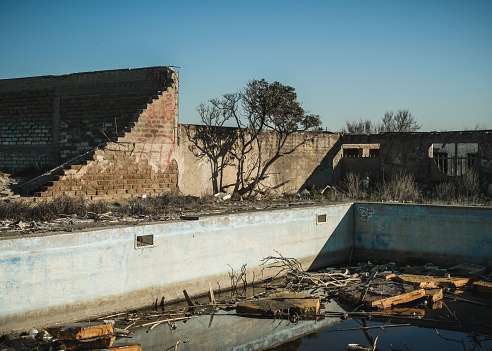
299,279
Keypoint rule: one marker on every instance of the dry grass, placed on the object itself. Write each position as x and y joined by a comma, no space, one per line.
48,210
464,190
400,188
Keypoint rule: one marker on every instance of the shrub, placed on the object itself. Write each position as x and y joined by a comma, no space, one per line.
400,188
353,186
468,187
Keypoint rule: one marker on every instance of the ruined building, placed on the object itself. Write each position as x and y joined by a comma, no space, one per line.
115,134
100,135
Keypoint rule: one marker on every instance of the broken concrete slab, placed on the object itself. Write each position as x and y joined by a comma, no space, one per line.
79,331
303,304
426,281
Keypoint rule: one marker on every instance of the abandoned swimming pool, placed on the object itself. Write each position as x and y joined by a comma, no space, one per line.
57,278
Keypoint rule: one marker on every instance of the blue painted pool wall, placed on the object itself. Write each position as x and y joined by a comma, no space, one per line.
440,234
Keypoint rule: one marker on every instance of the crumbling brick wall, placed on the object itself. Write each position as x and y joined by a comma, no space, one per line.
124,120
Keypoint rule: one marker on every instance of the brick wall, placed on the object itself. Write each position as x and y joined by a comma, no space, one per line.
125,119
113,175
26,117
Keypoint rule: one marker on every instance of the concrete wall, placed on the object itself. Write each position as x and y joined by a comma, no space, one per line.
412,152
308,166
53,278
439,234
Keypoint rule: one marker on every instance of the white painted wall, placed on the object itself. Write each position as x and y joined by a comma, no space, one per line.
54,278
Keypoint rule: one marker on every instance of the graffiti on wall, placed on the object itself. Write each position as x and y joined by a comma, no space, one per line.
156,143
365,213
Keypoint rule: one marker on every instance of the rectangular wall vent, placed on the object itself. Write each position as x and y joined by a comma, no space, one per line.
321,219
144,240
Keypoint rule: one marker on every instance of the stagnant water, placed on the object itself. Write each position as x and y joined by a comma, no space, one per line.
457,325
463,323
391,337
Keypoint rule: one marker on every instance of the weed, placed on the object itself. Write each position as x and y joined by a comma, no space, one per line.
400,188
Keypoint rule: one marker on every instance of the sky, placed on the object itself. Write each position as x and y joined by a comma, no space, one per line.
347,59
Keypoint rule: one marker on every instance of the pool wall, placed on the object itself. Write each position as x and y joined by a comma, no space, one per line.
446,235
55,278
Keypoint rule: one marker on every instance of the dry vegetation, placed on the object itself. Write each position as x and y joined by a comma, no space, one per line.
466,190
21,214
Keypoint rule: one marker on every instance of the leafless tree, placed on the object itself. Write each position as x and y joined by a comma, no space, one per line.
365,126
259,111
212,140
401,121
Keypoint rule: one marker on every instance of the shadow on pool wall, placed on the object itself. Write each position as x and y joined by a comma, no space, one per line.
445,235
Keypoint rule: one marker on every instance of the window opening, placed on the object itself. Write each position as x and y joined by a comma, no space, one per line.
471,158
352,152
441,159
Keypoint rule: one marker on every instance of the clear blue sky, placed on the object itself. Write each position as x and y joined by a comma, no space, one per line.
346,59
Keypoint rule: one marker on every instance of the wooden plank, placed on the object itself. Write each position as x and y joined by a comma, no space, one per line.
281,304
135,347
427,282
482,286
398,299
386,276
434,295
83,330
405,311
102,342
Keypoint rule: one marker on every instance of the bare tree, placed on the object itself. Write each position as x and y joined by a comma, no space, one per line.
212,139
401,121
359,127
260,111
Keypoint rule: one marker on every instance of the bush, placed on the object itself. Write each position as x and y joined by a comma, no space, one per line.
462,190
445,192
400,188
353,186
468,186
